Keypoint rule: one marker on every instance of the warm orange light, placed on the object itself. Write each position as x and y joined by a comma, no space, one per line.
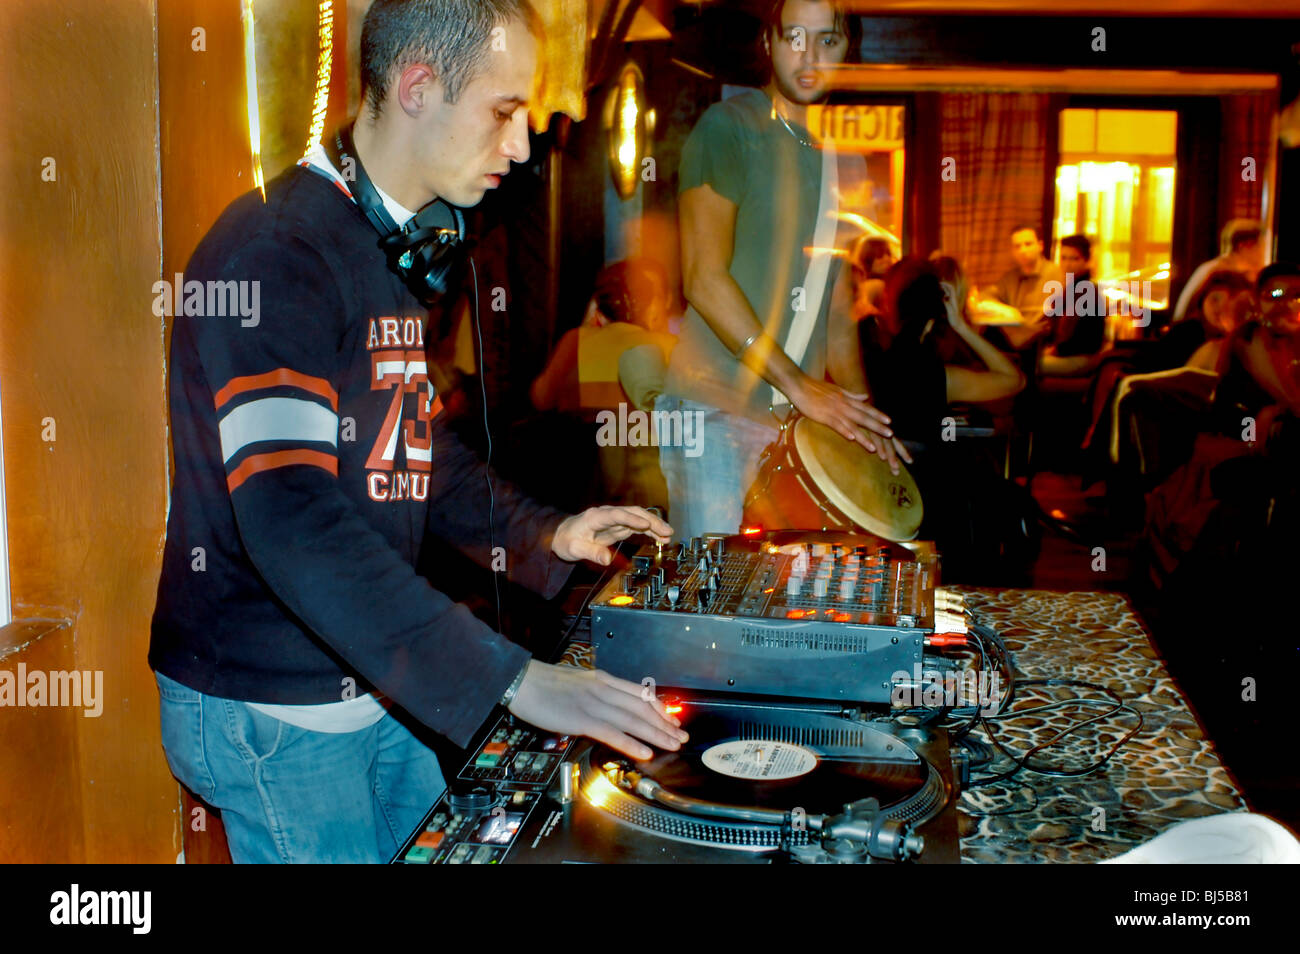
795,614
751,531
842,617
325,60
768,590
600,791
250,85
622,600
672,710
626,128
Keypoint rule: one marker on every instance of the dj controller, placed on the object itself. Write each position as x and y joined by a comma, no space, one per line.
778,653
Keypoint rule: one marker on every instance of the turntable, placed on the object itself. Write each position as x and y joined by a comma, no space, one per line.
756,783
784,651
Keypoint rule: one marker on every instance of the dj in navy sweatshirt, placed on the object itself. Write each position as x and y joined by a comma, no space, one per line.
311,459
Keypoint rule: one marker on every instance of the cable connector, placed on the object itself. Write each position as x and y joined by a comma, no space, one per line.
940,640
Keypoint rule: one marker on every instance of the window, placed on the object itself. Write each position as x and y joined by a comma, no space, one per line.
874,200
1115,184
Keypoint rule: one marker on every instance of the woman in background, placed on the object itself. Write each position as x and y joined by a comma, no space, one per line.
911,351
869,259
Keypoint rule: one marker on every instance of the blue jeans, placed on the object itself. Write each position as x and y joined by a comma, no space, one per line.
706,492
291,795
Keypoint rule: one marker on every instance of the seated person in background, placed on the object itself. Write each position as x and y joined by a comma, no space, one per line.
628,308
618,356
1262,377
905,357
1213,312
1217,310
1021,290
1240,251
1247,445
869,259
1081,322
921,356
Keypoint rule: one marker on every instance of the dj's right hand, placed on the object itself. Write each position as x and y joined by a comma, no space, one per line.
597,705
852,417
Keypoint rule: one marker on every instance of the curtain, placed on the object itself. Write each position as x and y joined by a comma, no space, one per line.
998,146
1247,132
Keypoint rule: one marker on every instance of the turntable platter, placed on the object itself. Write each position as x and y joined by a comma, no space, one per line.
780,758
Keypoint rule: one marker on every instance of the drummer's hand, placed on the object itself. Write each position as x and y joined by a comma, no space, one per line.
852,417
588,535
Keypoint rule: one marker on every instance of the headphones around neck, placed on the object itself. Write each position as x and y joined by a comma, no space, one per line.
428,252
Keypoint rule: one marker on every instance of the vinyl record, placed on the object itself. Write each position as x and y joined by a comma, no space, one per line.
740,756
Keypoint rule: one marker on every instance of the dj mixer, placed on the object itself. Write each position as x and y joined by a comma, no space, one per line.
810,615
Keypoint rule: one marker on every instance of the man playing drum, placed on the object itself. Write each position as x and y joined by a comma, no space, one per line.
768,319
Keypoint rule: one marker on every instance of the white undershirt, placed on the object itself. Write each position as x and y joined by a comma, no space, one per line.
348,715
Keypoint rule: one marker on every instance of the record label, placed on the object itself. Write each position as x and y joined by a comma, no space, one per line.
759,759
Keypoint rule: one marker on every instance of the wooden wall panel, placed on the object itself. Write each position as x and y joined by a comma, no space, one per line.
40,798
205,158
79,344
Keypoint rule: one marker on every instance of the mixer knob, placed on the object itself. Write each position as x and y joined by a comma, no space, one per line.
695,545
659,576
713,581
846,588
674,594
628,585
719,547
819,587
793,584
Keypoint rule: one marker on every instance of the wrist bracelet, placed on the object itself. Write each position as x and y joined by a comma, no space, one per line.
513,690
749,343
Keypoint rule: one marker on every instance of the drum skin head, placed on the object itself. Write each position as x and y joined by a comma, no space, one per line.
858,482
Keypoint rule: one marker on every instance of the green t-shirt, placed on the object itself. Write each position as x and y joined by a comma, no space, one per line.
748,157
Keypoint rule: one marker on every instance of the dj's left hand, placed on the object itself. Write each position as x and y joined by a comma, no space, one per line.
589,535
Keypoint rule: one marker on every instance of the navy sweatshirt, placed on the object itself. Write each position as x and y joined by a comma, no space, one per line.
311,459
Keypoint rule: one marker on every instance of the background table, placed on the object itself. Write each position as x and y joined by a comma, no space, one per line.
1167,773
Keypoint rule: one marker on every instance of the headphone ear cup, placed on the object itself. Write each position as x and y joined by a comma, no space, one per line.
429,252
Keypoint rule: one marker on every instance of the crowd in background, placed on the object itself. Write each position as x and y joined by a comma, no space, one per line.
973,379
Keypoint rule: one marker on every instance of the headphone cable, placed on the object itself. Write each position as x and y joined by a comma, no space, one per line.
487,431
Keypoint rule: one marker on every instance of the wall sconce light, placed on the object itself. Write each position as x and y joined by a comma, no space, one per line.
627,128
